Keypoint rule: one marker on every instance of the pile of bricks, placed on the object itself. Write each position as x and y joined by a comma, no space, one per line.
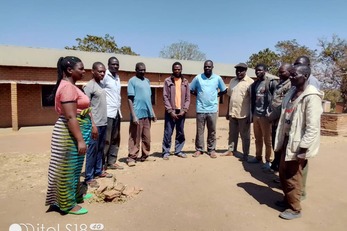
110,190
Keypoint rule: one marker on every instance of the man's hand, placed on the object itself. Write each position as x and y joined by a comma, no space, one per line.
173,115
181,114
227,117
135,120
302,153
95,133
154,119
82,147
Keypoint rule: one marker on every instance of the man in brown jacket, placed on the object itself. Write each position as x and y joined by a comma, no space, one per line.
176,96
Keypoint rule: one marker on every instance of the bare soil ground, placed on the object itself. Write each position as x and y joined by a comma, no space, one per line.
179,194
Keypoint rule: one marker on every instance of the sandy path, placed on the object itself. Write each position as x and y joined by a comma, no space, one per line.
179,194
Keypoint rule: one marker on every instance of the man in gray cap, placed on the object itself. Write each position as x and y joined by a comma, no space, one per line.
238,112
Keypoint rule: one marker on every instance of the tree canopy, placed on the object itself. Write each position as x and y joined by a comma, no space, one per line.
267,57
286,52
105,44
182,50
289,50
332,70
328,63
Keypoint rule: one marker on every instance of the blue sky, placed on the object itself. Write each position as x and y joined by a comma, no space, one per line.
227,31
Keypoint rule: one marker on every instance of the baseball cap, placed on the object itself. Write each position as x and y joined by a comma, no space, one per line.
243,65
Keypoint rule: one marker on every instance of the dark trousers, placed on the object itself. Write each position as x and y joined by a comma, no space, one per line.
210,119
139,133
242,127
169,126
291,177
112,140
95,153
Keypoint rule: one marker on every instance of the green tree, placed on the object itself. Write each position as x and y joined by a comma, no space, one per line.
267,57
286,52
105,44
182,50
289,50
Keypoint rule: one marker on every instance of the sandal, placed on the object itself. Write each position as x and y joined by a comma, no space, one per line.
104,174
81,211
197,154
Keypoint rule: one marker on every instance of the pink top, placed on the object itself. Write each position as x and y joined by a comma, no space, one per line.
67,92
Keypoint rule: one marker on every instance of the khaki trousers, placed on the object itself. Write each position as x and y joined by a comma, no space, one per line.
262,134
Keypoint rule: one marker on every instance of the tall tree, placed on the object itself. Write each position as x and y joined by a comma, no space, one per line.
182,50
289,50
333,65
286,52
105,44
267,57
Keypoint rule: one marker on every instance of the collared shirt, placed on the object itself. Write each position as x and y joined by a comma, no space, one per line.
113,94
239,92
207,92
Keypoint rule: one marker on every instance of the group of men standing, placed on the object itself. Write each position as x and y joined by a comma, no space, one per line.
266,103
286,118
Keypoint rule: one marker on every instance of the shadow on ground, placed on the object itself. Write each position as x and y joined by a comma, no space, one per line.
263,194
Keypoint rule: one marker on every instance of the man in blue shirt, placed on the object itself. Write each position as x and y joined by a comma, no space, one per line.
205,87
140,106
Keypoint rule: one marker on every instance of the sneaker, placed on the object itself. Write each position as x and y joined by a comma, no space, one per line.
166,156
290,214
266,166
181,154
253,160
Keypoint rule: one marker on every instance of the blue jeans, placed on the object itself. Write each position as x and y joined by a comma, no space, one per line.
95,153
169,127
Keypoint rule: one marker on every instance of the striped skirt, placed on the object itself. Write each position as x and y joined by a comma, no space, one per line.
66,164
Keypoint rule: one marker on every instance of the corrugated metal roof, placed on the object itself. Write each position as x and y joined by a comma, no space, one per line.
46,57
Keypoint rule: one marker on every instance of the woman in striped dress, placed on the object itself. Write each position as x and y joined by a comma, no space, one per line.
69,139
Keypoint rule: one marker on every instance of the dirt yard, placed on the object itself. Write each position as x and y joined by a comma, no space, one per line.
179,194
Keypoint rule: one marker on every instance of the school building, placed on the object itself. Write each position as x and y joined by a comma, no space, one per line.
27,76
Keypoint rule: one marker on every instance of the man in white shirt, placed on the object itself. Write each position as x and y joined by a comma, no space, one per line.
113,99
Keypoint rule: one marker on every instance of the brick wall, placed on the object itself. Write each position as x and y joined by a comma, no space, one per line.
32,113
